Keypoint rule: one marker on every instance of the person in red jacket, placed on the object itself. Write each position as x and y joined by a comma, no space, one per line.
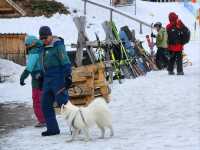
174,45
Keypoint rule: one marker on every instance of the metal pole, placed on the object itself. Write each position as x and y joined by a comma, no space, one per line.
111,15
85,2
135,7
140,28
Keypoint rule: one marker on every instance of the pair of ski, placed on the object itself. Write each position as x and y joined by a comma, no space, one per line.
123,65
129,41
148,59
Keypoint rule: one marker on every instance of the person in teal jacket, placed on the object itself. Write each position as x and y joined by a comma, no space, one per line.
33,68
56,68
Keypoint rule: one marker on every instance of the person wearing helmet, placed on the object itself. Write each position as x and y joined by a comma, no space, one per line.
33,68
161,43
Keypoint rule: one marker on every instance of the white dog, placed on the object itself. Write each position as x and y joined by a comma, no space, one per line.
82,118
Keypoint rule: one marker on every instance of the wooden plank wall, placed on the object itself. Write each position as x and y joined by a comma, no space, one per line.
12,47
3,4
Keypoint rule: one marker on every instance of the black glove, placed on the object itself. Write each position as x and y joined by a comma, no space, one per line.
23,76
153,35
38,76
22,82
40,79
68,81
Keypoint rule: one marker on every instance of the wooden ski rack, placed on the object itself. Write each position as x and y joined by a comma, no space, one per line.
88,82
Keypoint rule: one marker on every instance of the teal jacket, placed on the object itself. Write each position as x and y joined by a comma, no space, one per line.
33,65
54,55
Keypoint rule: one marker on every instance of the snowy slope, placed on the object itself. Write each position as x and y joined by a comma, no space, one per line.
63,25
146,11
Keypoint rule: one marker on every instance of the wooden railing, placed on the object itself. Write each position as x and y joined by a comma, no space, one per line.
111,9
13,4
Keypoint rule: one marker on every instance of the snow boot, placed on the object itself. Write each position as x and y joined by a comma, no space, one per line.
40,125
171,73
180,73
49,133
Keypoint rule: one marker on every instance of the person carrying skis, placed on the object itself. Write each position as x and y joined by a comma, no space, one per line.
57,77
33,46
175,46
161,43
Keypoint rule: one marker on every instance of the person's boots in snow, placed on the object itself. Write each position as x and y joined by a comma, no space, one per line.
48,133
180,73
170,72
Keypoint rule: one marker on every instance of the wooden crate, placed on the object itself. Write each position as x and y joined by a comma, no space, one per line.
88,82
100,84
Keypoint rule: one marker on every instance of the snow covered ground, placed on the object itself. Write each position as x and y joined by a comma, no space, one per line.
154,112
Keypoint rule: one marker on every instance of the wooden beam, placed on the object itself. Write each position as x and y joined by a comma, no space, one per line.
16,7
6,10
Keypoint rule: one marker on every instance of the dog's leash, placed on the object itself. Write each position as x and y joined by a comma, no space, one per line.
82,117
73,120
74,87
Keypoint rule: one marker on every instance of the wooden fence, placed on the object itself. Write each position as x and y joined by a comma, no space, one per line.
12,47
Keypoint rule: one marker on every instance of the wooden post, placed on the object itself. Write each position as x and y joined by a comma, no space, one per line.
80,23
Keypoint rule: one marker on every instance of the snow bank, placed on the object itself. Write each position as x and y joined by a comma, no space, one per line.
11,91
9,68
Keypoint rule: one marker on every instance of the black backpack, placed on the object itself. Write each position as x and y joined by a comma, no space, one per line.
184,35
173,36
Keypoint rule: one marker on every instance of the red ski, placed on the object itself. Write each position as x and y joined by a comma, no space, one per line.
150,44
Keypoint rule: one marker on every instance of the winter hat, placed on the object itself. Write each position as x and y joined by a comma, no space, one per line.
173,17
44,31
30,39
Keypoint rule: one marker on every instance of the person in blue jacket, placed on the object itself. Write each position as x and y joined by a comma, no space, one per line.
57,77
33,67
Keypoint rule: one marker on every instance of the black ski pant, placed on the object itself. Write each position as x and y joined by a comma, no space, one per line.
161,58
176,57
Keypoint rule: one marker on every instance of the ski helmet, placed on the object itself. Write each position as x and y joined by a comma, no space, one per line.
157,24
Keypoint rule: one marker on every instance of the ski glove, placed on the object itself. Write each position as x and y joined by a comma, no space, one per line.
23,76
153,35
68,81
